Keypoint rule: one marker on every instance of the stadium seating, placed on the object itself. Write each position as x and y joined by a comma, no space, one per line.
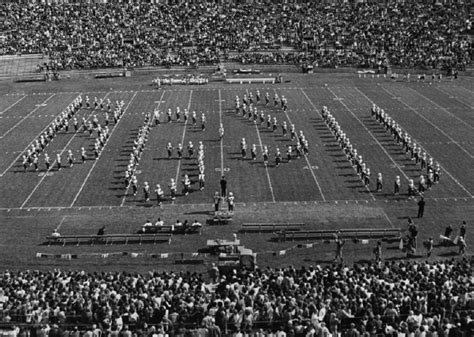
391,298
303,34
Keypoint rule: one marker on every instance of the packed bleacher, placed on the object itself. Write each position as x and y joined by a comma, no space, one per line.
78,36
393,298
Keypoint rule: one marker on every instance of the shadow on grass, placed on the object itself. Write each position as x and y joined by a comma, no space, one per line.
403,217
318,260
200,213
448,254
405,257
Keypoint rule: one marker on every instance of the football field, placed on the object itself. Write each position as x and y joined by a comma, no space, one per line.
321,189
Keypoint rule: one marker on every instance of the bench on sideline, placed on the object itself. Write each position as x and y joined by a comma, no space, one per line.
262,227
251,80
365,233
109,239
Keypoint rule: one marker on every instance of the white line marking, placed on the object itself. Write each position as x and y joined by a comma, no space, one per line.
21,120
108,207
461,87
128,186
12,105
449,174
61,223
310,167
95,162
444,109
468,104
222,139
266,168
429,122
182,138
388,219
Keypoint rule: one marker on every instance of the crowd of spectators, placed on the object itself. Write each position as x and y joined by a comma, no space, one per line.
77,36
385,298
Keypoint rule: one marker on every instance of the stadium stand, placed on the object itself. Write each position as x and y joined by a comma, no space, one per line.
406,34
393,298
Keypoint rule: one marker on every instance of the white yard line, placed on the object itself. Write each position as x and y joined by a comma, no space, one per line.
444,109
266,168
222,139
61,223
306,157
26,148
429,122
451,95
449,174
182,138
12,105
371,135
106,142
128,186
388,219
21,120
283,202
461,87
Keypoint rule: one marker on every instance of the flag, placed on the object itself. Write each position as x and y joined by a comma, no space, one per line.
164,255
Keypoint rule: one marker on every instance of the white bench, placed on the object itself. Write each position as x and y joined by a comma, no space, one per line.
251,80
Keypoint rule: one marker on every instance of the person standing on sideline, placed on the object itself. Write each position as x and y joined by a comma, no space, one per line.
378,252
217,200
339,244
230,202
421,207
462,230
462,246
223,183
446,238
429,246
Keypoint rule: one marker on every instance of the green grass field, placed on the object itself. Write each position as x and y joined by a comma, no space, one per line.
322,190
